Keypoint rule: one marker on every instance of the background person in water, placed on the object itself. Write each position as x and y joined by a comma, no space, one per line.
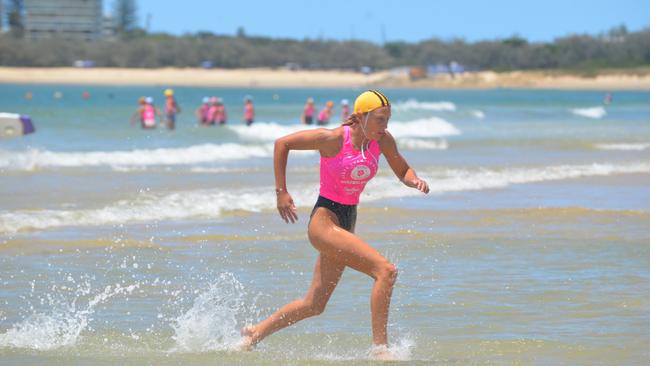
147,113
345,109
326,113
220,114
139,113
201,112
349,159
249,110
171,109
308,112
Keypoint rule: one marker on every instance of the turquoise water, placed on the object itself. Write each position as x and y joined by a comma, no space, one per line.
119,245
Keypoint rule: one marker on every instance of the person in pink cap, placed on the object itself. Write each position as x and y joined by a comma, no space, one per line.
213,111
249,110
345,109
201,112
220,116
308,112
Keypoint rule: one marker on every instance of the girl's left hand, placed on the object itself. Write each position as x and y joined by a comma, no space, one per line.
420,185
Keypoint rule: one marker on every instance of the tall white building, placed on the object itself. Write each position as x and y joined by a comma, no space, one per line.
2,17
70,19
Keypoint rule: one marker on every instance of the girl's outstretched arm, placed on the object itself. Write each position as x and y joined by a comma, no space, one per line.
400,167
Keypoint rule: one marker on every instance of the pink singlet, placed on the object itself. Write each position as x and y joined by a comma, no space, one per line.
343,177
309,110
149,116
204,112
212,113
248,111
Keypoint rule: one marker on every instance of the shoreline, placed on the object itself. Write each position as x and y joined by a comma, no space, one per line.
282,78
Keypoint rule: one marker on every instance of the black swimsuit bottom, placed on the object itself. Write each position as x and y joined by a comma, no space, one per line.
347,214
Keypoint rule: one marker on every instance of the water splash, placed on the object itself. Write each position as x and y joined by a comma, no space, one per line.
211,324
62,326
399,351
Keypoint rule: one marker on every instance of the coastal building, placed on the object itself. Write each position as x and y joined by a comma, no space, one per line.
69,19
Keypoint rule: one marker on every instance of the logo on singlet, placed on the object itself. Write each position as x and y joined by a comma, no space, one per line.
360,172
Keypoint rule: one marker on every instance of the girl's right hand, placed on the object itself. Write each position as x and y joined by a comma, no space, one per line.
286,207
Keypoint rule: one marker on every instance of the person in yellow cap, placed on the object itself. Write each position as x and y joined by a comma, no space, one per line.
171,109
349,158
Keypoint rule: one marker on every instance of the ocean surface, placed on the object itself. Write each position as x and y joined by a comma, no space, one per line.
125,246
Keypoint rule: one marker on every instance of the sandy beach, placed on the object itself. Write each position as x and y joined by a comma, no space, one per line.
262,77
267,78
527,80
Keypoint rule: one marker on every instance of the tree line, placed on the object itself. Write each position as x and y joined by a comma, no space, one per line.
134,47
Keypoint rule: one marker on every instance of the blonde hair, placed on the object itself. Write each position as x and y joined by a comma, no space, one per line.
352,119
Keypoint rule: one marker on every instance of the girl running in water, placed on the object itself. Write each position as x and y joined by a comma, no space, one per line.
349,159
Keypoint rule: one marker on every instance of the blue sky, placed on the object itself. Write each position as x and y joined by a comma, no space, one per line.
408,20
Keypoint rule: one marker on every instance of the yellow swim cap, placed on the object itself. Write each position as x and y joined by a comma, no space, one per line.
169,92
370,100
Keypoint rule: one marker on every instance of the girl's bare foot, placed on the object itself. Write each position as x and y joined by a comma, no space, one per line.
382,353
249,338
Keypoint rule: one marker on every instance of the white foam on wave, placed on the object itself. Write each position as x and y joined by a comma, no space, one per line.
141,159
423,127
624,146
478,114
455,180
270,131
33,159
413,104
593,112
63,324
192,169
147,207
211,323
419,144
144,207
199,169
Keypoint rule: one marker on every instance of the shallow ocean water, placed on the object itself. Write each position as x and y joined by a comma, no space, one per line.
123,246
